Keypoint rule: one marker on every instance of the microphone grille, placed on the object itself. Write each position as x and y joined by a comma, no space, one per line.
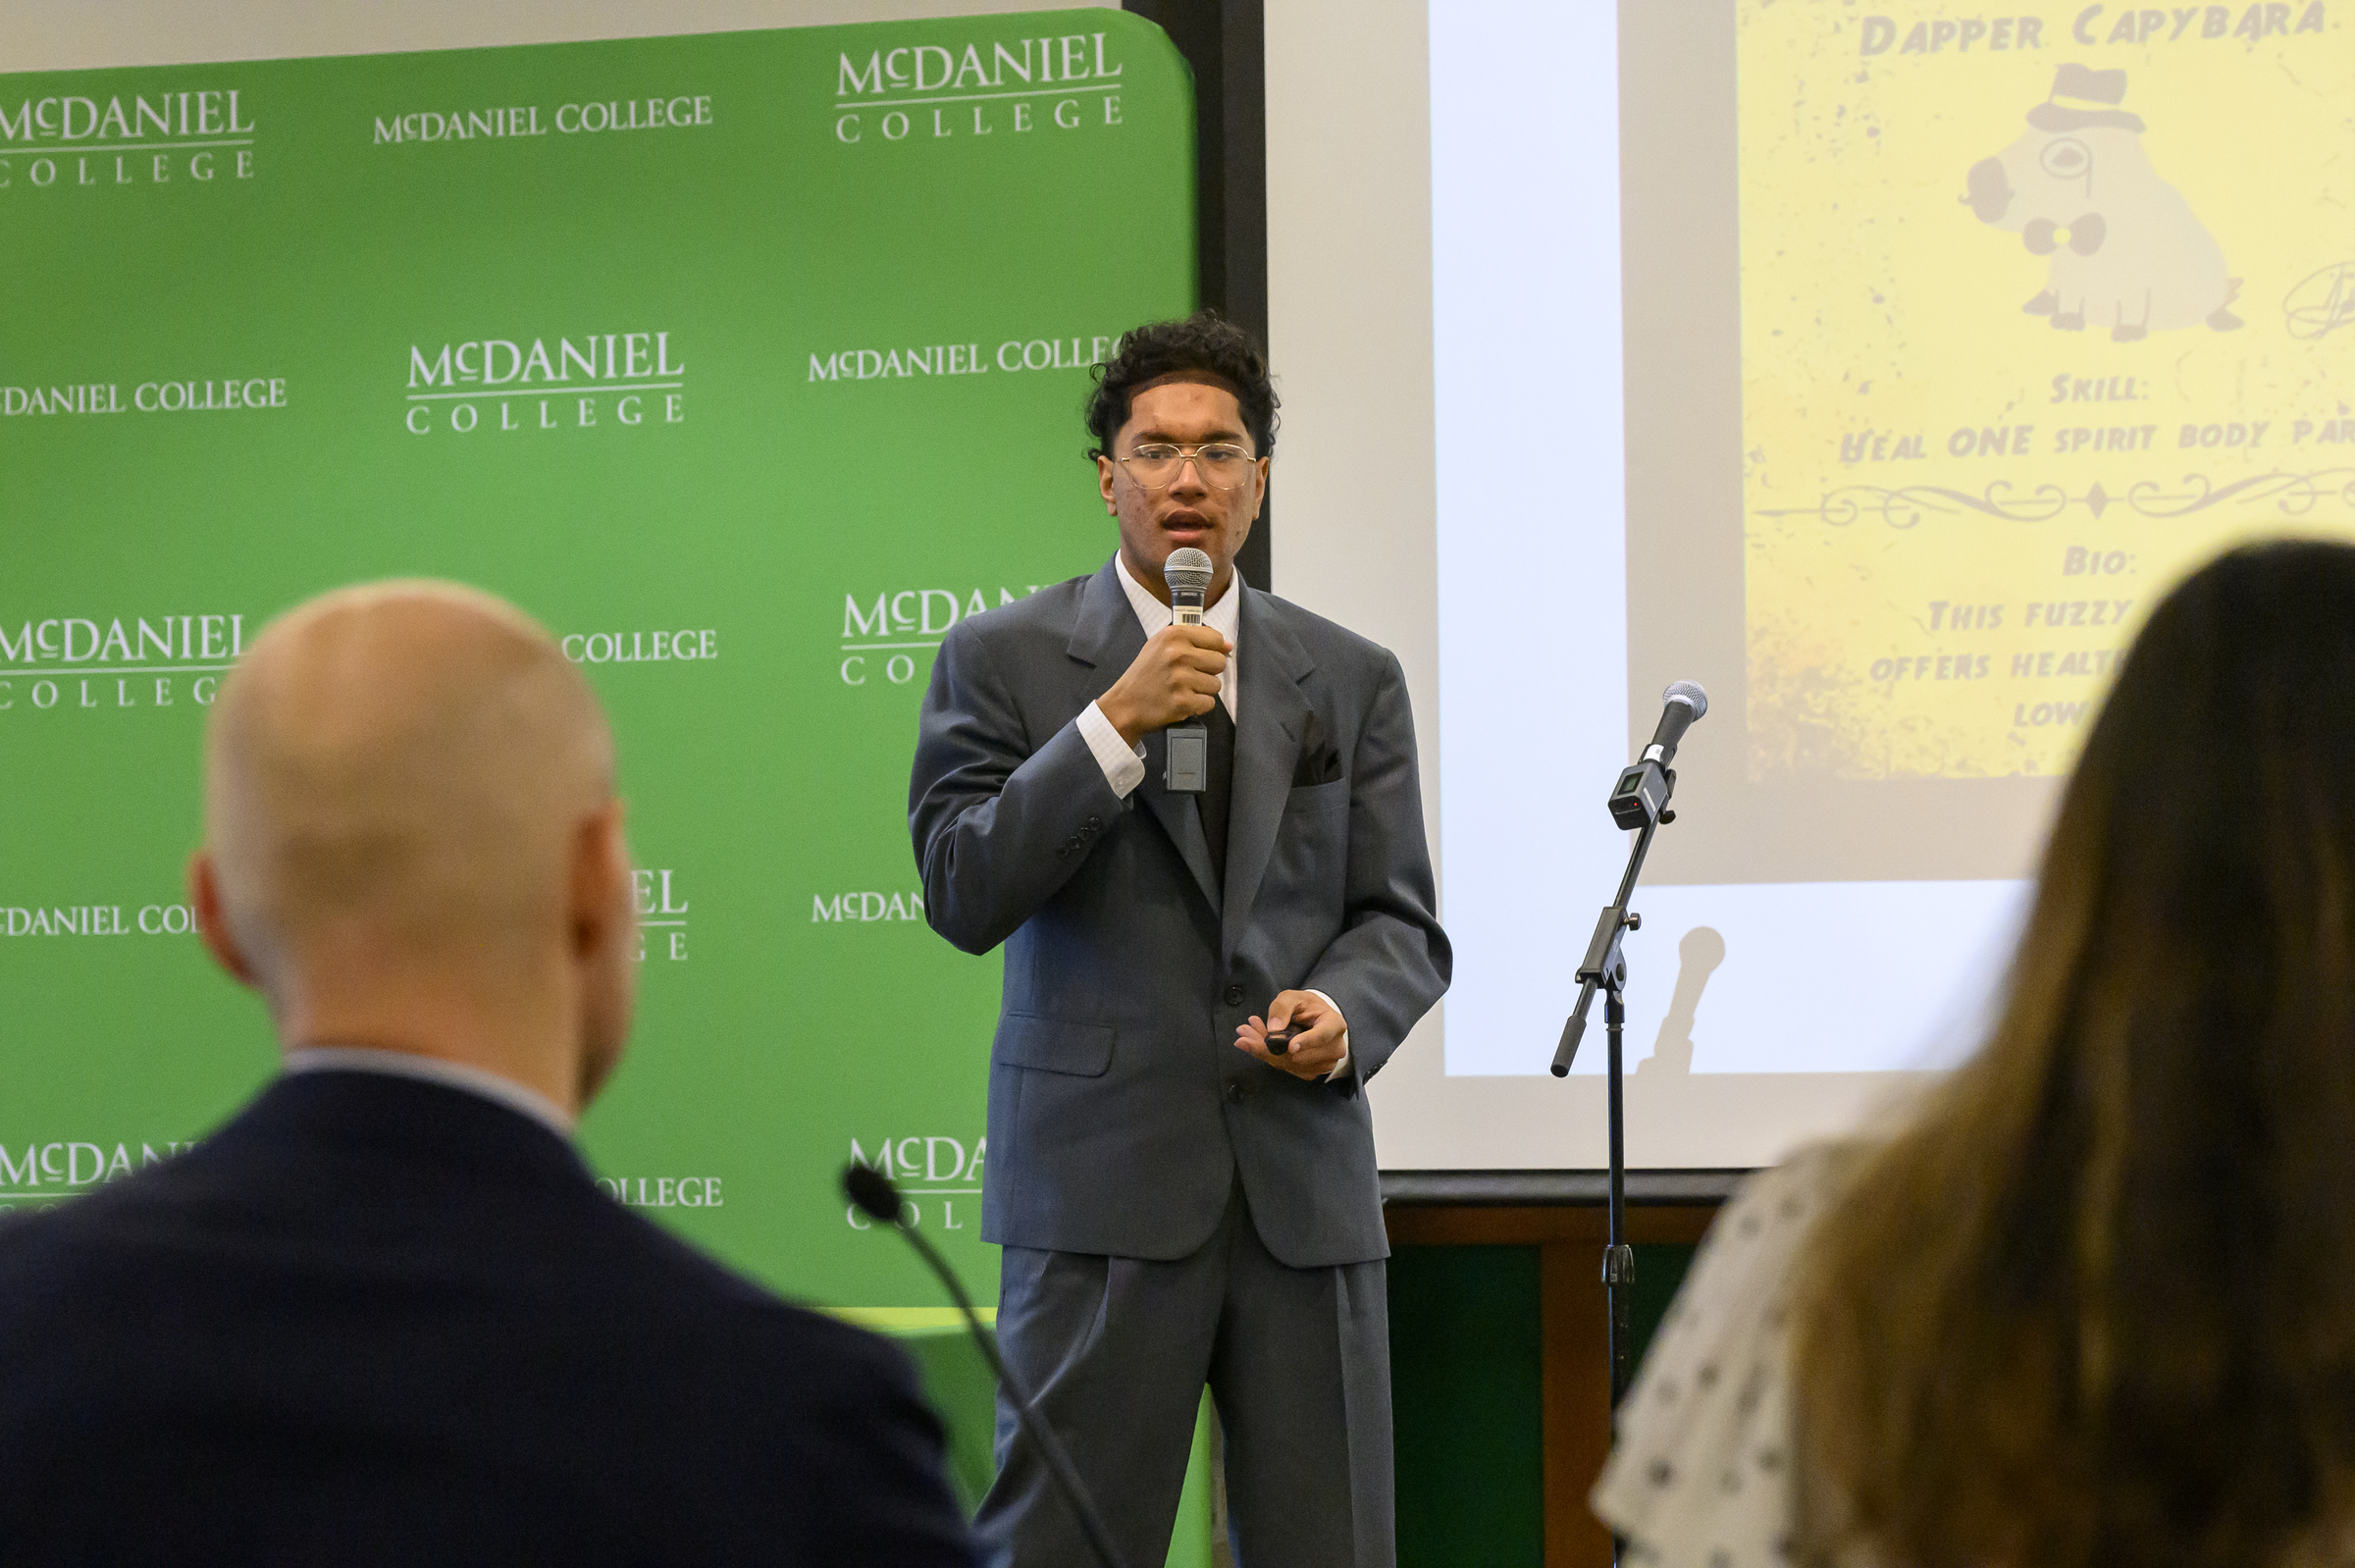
1187,571
1689,694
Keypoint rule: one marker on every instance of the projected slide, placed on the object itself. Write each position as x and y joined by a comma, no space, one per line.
1878,365
2036,313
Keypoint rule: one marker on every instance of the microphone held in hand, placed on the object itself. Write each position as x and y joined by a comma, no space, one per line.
1188,572
873,1193
1641,795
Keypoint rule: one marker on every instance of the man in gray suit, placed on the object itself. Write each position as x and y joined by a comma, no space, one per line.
1178,1203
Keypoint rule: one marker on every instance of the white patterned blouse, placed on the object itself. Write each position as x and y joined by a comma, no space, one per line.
1701,1474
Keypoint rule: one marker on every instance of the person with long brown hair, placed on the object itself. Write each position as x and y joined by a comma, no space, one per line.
2094,1302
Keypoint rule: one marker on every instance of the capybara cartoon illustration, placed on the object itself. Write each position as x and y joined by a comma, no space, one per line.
2127,251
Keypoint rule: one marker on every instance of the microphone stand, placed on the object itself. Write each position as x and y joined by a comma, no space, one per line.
1604,969
874,1192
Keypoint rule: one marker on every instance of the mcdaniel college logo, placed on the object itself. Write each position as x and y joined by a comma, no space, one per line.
601,382
930,92
203,136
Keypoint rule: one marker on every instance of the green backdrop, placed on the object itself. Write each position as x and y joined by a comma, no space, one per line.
748,362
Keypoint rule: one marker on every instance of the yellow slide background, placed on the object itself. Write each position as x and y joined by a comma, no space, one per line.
1919,605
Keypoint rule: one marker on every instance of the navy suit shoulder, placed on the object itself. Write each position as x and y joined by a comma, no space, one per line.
1331,645
1036,625
1044,609
1322,633
375,1320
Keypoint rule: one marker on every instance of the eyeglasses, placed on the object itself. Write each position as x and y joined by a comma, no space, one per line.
1156,465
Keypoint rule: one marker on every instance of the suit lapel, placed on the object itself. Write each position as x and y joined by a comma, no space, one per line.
1267,745
1106,633
1107,636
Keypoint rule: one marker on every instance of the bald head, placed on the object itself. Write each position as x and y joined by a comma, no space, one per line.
399,778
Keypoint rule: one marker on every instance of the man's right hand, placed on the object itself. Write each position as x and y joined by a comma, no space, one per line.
1175,678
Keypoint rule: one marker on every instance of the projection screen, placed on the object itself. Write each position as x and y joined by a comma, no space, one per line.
1877,367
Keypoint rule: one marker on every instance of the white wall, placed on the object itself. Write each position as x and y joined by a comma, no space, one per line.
1349,326
1350,338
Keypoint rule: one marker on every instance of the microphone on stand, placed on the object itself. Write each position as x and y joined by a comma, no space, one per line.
1188,572
1640,796
1639,802
872,1191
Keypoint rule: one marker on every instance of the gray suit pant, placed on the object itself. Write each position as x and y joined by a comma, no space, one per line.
1118,1351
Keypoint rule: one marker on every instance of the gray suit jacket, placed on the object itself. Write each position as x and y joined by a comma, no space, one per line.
1119,1109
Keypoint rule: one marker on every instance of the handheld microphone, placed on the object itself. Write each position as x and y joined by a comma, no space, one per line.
1641,795
872,1191
1187,572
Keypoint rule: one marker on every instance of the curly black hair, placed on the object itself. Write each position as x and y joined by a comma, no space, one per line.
1205,342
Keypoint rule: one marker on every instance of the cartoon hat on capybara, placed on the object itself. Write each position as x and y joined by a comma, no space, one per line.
2082,97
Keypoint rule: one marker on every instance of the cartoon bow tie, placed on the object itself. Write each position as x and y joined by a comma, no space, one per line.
2086,235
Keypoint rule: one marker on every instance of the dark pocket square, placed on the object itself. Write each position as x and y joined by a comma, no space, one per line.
1319,762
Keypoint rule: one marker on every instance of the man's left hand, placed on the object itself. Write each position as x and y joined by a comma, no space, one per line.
1316,1050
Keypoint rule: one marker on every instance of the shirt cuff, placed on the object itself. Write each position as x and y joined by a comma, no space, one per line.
1343,1066
1123,766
